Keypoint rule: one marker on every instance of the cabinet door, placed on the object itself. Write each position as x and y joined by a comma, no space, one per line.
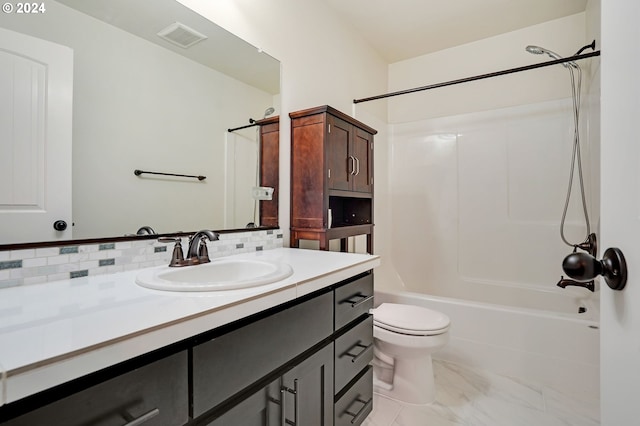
307,397
362,151
339,162
260,409
269,171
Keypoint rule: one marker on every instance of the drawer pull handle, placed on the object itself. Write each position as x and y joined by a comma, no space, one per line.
352,165
144,418
293,391
361,411
361,299
356,357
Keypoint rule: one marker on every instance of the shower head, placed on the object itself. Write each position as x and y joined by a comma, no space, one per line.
269,111
537,50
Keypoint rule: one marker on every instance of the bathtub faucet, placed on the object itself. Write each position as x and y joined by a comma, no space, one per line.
589,285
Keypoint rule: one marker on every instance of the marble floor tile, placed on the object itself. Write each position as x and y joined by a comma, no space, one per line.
471,397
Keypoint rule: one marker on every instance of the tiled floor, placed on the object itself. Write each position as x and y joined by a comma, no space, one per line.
478,398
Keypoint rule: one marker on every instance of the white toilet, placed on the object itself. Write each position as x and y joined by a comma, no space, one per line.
405,336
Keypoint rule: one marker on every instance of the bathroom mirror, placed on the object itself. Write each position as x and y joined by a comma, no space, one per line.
143,102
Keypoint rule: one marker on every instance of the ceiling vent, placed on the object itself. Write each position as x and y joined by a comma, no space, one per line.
181,35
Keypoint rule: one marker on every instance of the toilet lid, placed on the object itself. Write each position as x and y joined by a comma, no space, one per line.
410,319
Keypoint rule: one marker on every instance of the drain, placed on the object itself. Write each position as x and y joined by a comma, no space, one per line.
582,310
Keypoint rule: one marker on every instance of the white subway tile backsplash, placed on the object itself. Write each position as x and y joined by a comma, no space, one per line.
35,266
16,273
97,255
10,283
114,269
89,248
131,266
56,277
32,263
20,254
58,260
79,257
47,252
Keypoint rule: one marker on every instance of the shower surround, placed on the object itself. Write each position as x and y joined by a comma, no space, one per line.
482,196
476,201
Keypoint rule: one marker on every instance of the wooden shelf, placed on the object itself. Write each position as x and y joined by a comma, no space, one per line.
323,236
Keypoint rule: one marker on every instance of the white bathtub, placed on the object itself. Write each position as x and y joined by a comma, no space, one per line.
552,345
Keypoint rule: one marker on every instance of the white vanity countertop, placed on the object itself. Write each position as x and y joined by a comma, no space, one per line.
54,332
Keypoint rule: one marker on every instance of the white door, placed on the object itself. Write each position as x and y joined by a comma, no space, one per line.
242,163
36,87
620,209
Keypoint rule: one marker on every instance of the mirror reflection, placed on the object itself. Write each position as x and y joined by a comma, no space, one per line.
126,99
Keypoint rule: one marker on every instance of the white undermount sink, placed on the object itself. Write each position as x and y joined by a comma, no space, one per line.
220,274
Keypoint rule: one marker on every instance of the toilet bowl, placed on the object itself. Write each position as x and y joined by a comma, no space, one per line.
405,336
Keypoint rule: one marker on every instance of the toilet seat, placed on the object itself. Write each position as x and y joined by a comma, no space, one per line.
410,319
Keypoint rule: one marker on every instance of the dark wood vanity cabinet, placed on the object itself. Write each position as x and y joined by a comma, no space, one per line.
258,350
304,363
328,383
331,177
269,168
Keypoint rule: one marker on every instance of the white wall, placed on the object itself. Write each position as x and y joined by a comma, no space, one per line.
478,172
139,106
563,36
323,62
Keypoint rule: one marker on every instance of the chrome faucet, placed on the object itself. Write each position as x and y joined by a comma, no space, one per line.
197,251
564,282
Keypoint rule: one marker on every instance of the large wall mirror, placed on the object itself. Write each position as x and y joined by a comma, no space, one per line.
90,92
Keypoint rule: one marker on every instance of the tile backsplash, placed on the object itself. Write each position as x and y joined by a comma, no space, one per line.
34,266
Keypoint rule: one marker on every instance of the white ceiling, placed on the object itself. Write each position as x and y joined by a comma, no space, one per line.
221,51
403,29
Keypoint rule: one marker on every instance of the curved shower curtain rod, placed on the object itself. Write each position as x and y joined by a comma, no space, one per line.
480,77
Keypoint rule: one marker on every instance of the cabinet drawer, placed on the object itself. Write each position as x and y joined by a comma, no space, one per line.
352,300
357,403
157,392
230,363
353,351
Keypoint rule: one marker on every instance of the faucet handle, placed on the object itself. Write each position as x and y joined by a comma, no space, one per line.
203,252
177,257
